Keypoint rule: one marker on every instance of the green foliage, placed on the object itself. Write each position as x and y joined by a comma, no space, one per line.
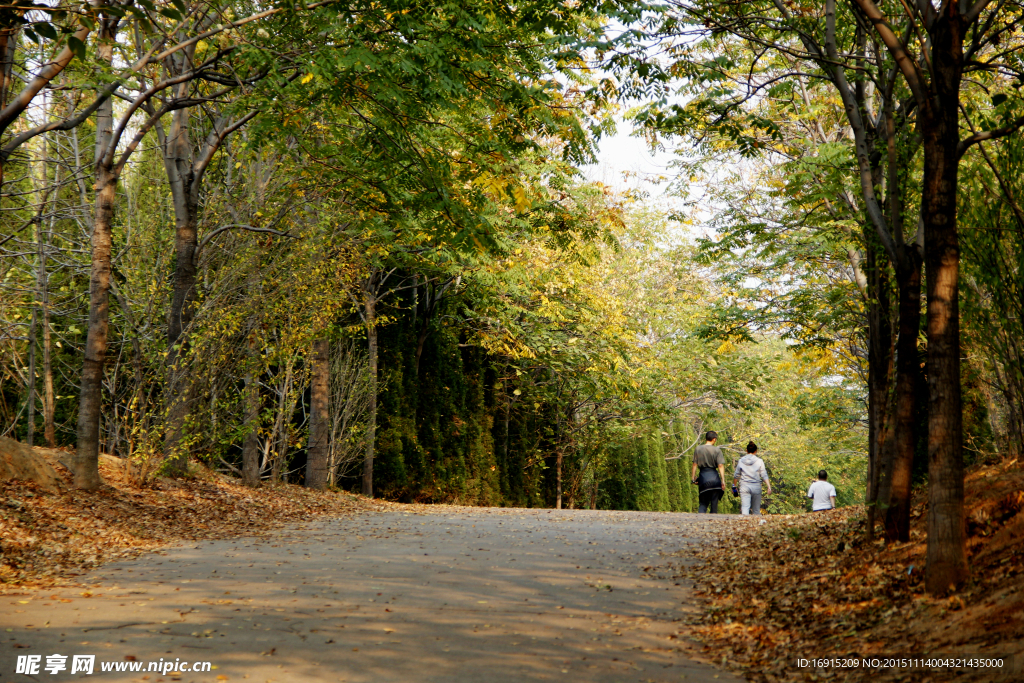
525,317
992,296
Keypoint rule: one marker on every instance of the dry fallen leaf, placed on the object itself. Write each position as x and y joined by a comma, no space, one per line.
812,586
49,539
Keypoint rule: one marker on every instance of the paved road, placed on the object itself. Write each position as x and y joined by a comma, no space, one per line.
410,595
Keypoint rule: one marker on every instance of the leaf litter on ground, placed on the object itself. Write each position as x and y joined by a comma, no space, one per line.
811,586
51,539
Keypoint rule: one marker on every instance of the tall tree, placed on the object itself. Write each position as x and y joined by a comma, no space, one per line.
940,44
186,169
862,57
111,160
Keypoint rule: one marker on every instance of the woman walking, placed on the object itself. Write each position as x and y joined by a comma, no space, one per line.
749,474
711,480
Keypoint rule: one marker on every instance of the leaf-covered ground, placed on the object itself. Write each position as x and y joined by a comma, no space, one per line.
49,539
810,586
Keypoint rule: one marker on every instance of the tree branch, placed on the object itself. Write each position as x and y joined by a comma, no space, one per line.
908,65
994,134
973,13
40,81
240,226
213,143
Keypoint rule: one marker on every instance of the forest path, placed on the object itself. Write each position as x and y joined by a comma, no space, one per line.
412,594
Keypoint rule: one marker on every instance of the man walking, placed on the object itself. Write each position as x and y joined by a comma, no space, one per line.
708,459
823,493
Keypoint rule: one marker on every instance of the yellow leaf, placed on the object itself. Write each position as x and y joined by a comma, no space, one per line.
307,78
522,202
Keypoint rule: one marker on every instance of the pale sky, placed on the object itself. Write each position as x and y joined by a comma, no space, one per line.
621,155
626,163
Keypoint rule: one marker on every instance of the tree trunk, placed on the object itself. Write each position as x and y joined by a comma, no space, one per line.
43,291
285,409
8,45
947,537
370,314
86,458
251,444
49,429
879,373
31,379
897,513
421,341
178,319
424,331
42,194
177,152
558,480
319,418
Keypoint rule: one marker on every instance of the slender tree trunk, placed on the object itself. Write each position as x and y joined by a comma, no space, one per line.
43,292
86,459
879,373
251,444
179,317
370,314
42,194
285,409
558,480
897,514
185,178
49,429
31,379
415,299
424,330
8,45
421,341
177,150
319,418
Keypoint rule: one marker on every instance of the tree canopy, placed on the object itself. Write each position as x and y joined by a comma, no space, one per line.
356,245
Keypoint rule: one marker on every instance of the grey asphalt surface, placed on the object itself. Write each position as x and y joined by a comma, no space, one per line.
409,595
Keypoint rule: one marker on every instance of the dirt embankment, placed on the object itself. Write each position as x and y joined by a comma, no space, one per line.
50,535
807,586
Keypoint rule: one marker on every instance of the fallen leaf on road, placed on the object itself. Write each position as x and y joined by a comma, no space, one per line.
53,538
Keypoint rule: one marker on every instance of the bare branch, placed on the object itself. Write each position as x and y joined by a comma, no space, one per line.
41,79
994,134
241,226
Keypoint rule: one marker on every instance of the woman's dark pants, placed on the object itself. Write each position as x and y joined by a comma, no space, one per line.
709,499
